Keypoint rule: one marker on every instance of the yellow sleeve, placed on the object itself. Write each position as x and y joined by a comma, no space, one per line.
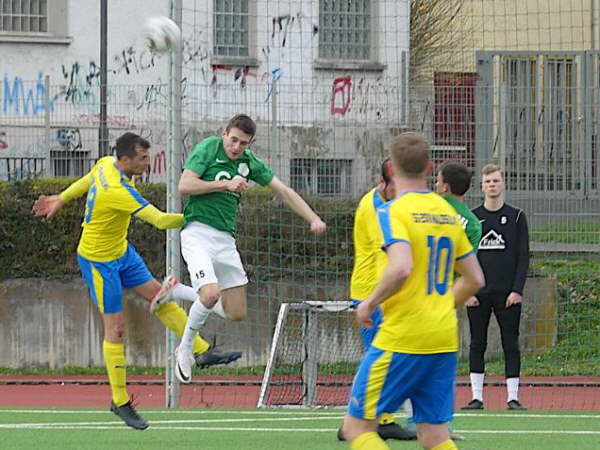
77,189
159,219
392,225
463,245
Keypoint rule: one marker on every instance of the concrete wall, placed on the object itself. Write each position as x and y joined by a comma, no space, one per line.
53,324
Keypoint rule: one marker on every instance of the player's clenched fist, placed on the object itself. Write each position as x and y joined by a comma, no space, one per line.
238,184
363,314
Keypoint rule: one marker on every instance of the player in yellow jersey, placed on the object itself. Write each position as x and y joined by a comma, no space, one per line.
109,263
413,354
367,248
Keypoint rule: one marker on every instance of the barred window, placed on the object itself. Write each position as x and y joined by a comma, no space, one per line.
231,28
24,16
345,29
327,177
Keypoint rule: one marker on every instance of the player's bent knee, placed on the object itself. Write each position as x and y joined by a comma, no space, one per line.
209,295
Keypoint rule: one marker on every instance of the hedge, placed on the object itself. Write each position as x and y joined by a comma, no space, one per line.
270,235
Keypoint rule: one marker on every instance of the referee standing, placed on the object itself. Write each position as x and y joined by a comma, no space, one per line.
504,257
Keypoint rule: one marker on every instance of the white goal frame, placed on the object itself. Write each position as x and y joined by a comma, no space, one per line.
310,367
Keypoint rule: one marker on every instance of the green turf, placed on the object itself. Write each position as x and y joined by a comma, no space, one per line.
289,429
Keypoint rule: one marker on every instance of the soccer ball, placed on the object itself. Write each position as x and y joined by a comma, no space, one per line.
162,34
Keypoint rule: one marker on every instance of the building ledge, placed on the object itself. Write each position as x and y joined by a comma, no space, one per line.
35,39
235,61
334,64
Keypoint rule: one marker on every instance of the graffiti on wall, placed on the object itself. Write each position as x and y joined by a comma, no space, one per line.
3,140
69,139
21,98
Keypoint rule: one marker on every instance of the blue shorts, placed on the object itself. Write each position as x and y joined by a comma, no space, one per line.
107,279
386,379
368,334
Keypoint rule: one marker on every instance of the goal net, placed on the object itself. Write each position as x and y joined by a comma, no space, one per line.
314,354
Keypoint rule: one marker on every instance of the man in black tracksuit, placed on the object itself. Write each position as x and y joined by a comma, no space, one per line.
504,256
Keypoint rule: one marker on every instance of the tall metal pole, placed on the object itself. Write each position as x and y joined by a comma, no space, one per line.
103,130
173,197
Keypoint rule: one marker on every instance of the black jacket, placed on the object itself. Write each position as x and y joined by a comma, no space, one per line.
504,249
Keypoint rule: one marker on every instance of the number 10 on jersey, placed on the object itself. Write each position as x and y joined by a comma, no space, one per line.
440,262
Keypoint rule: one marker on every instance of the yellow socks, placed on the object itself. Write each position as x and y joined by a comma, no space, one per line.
369,441
386,418
114,358
174,318
446,445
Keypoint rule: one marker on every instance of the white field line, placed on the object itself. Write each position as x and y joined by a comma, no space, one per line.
115,422
297,430
278,413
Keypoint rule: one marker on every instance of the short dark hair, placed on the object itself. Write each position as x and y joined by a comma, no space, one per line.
386,170
126,145
243,123
458,176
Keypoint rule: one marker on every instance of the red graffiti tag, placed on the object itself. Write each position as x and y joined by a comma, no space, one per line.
341,86
3,143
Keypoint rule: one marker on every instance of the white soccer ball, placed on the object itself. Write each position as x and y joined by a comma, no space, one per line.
162,34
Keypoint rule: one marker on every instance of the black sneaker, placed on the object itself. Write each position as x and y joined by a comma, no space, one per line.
474,404
515,405
340,436
395,431
129,415
213,356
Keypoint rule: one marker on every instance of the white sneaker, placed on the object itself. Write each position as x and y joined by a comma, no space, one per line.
184,363
165,293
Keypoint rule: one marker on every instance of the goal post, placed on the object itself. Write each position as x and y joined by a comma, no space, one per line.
314,353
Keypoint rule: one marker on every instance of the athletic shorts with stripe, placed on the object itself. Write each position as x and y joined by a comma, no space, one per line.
107,279
386,379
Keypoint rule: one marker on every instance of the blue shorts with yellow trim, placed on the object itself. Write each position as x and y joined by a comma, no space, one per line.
386,379
106,280
368,334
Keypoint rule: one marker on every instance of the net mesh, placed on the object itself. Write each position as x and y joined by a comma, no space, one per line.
314,355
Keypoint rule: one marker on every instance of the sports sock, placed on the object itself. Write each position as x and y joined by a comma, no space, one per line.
196,319
368,441
408,409
512,386
183,292
477,385
386,418
114,358
446,445
174,318
218,308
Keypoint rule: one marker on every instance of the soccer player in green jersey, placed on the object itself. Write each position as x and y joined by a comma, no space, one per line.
215,175
452,183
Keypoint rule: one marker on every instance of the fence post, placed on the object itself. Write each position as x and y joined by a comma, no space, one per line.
47,168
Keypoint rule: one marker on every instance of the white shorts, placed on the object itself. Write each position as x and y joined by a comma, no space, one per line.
211,257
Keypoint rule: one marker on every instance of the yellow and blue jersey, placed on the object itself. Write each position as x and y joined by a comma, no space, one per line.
420,318
111,200
367,245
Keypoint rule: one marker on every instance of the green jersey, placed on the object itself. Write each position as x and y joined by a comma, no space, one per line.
469,221
211,163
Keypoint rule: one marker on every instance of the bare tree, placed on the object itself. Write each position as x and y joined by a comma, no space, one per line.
439,37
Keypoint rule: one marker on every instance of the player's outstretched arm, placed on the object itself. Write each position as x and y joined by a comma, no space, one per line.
471,280
297,204
48,205
159,219
191,184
